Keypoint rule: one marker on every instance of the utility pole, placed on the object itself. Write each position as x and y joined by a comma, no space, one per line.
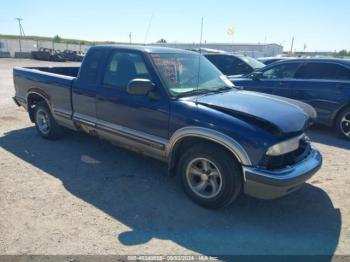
291,47
21,32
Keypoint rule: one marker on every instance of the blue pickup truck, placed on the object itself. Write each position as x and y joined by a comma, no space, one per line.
176,106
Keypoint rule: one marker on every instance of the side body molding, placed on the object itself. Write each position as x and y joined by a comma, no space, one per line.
211,135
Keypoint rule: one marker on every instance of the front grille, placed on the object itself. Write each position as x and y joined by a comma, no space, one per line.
291,158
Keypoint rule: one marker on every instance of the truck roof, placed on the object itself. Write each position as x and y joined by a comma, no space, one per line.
343,61
146,49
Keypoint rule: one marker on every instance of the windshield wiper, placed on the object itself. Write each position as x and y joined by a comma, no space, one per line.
195,92
224,89
206,91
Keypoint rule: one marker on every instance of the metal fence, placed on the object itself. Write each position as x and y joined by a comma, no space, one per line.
23,48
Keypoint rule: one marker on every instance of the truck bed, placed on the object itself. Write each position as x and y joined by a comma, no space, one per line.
53,83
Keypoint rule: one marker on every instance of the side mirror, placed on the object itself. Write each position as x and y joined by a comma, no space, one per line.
140,87
256,76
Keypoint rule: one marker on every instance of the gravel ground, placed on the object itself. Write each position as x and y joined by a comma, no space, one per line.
81,195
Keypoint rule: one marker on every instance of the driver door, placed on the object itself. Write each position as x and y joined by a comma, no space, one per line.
120,110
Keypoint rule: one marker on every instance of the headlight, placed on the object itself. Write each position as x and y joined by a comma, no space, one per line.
284,147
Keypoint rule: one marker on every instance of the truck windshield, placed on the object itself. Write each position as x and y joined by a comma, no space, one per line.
189,74
255,64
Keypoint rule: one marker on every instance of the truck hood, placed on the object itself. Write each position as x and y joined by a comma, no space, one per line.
277,114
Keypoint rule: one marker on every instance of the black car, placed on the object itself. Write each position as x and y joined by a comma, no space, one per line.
72,55
322,83
42,54
48,54
270,60
234,65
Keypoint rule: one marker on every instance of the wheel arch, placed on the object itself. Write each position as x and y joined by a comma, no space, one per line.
336,113
34,97
188,136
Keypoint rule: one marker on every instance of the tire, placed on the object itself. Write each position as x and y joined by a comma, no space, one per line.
343,123
223,177
45,123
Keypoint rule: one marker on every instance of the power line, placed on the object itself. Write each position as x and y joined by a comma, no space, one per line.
21,32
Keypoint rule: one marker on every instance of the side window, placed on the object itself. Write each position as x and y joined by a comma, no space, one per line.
122,67
229,65
323,71
88,73
342,73
242,68
281,71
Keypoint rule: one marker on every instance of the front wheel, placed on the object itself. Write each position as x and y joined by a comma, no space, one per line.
45,123
343,123
211,176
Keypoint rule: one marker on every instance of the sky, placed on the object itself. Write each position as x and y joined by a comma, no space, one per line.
322,25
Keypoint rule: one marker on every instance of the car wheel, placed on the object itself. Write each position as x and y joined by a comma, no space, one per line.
45,123
343,123
211,176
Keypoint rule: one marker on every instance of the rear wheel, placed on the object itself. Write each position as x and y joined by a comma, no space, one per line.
211,176
343,123
45,123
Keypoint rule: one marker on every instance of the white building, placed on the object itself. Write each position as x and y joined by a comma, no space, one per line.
253,50
13,46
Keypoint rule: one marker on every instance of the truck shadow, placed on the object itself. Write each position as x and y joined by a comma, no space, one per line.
134,190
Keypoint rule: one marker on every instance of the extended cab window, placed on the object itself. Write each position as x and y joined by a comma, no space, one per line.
122,67
89,72
282,71
324,71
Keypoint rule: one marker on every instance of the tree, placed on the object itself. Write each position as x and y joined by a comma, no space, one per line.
343,53
161,41
57,38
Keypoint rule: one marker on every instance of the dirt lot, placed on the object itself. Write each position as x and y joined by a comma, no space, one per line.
81,195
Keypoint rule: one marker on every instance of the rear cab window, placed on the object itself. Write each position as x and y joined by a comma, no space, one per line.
89,71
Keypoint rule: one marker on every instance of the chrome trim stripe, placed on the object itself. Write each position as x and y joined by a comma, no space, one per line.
211,135
141,137
165,144
83,121
132,137
62,112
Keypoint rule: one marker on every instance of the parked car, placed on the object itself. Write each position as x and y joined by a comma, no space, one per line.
72,55
322,83
176,106
48,54
234,65
230,64
41,54
273,59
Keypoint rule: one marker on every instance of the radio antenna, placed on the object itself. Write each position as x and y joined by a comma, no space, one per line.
201,36
199,57
148,28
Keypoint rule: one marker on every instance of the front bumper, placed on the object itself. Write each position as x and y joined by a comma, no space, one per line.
270,184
